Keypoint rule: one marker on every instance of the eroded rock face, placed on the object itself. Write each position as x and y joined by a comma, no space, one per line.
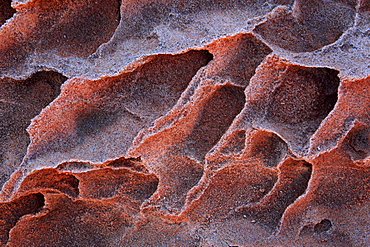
182,123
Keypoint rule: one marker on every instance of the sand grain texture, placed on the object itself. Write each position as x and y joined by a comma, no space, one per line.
185,123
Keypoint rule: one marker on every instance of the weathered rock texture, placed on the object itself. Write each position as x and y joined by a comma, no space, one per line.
185,123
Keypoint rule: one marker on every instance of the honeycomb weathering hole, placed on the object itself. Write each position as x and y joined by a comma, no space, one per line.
20,101
215,118
310,26
51,179
158,93
358,141
300,98
304,94
6,11
177,177
11,212
268,147
239,184
323,226
292,182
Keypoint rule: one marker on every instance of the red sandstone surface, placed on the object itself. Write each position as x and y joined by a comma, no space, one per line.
185,123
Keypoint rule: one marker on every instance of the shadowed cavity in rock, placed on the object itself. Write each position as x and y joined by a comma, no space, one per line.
50,179
310,26
293,181
299,99
214,119
11,212
230,187
6,11
177,176
20,101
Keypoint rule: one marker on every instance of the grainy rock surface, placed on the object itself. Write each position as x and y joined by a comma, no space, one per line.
185,123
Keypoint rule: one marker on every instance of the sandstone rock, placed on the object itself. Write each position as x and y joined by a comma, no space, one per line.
183,123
